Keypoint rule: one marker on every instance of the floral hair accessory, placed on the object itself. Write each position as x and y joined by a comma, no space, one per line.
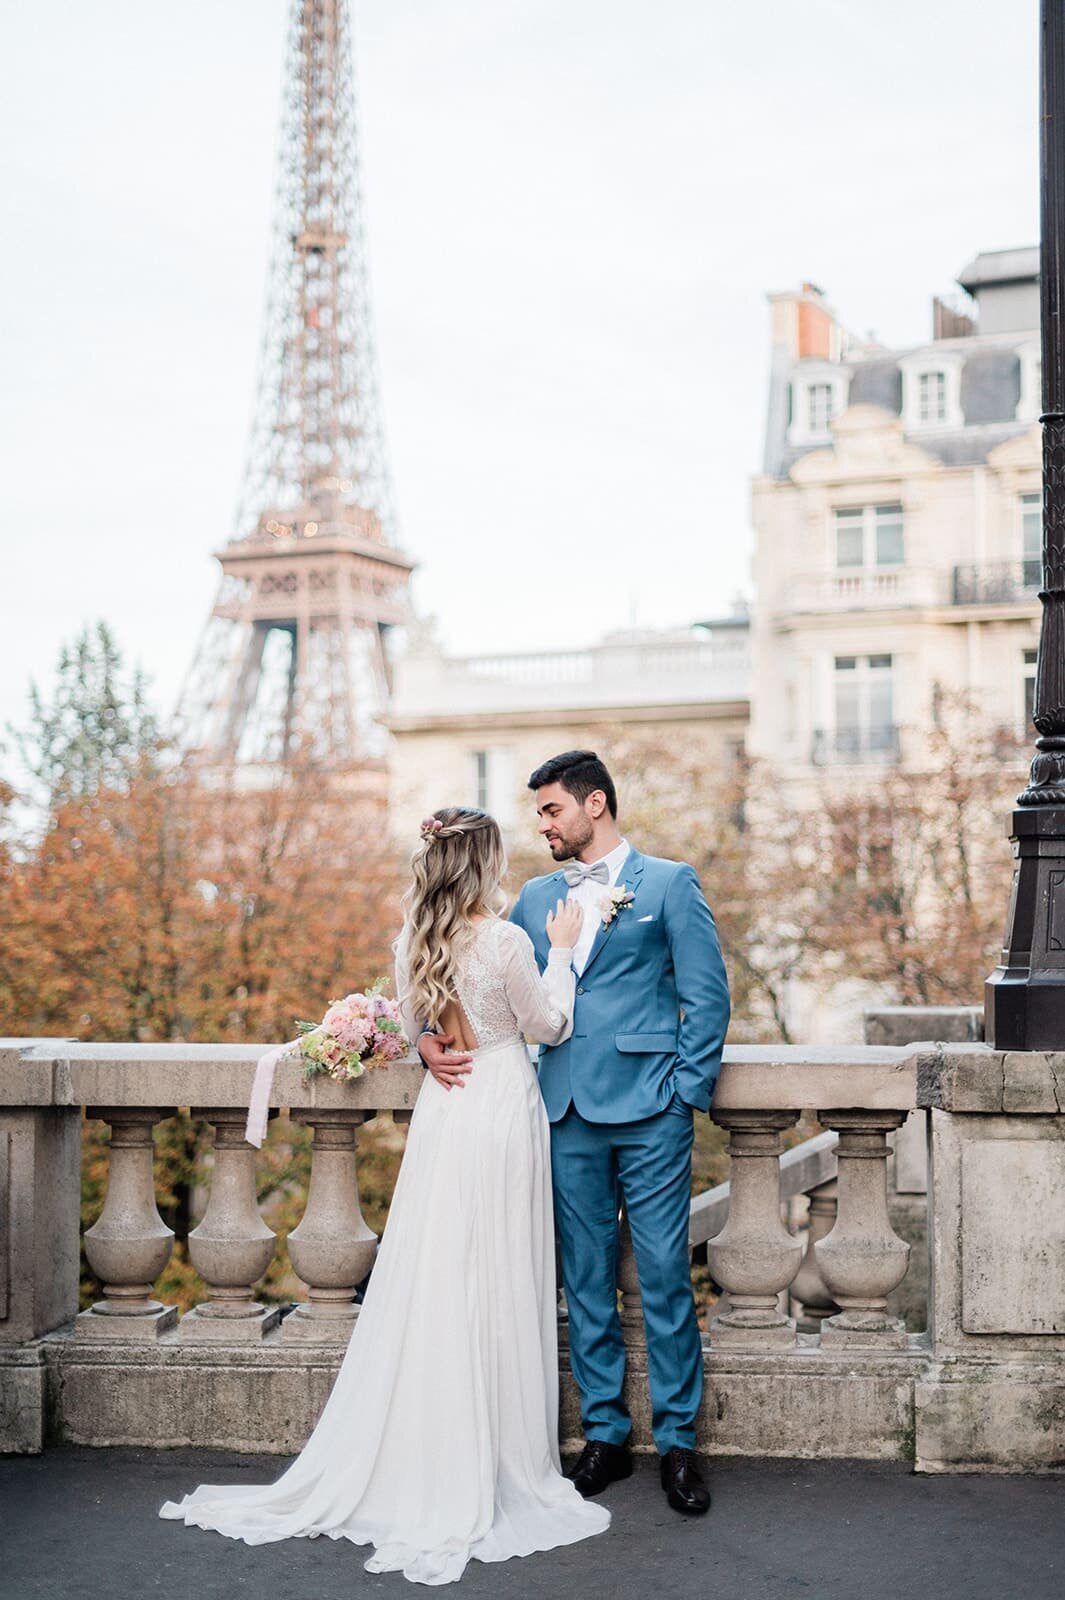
617,899
431,827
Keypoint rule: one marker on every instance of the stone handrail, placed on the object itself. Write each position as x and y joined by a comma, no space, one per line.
60,1072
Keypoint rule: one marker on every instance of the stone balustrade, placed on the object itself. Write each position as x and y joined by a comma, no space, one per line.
804,1355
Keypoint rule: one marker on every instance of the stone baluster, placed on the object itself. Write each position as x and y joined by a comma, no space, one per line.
862,1259
130,1244
232,1247
754,1256
808,1286
629,1287
332,1249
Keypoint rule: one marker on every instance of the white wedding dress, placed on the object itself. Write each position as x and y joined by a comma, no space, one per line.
439,1441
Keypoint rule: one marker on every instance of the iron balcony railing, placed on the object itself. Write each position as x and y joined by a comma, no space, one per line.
996,583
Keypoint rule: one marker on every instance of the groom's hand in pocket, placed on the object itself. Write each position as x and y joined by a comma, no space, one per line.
448,1067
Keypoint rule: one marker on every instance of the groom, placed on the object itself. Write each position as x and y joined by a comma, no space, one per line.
651,1012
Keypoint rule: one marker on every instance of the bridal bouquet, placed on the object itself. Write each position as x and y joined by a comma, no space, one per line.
357,1033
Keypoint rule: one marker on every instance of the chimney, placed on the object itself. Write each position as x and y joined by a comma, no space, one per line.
805,324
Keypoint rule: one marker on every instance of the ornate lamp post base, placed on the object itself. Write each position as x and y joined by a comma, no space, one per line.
1024,998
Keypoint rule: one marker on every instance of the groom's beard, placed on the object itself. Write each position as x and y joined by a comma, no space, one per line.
566,849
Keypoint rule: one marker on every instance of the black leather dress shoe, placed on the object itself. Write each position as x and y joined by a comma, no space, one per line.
600,1463
683,1482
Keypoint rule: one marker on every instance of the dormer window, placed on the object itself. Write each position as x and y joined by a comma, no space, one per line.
932,397
1030,403
931,389
819,406
818,394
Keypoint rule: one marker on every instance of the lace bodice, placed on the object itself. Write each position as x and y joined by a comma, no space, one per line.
500,988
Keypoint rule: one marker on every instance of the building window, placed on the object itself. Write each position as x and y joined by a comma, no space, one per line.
1030,403
1030,659
1032,539
887,527
864,708
816,394
819,406
932,397
931,389
491,783
480,779
870,536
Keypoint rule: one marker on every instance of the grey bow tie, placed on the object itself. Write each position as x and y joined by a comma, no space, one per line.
576,872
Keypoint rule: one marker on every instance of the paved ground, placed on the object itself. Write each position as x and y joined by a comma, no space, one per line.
82,1523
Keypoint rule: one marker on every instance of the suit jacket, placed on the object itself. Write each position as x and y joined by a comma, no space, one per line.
652,1004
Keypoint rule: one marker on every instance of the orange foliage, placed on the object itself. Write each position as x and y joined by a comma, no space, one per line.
177,907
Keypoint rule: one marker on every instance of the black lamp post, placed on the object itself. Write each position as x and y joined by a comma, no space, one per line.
1024,998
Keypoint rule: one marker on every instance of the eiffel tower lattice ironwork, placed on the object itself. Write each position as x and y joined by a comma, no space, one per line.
294,657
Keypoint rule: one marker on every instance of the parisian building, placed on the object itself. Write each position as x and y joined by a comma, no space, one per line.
897,526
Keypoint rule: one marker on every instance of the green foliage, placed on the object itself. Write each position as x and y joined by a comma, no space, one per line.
97,726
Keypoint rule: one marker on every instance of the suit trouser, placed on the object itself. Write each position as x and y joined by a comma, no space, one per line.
647,1164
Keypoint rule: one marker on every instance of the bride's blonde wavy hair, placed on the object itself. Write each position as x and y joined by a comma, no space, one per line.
456,872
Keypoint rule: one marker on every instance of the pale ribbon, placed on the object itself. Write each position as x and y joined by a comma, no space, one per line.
261,1090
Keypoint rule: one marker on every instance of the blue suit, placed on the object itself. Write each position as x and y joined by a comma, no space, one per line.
651,1013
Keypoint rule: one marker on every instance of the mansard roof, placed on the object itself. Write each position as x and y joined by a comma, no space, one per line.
990,391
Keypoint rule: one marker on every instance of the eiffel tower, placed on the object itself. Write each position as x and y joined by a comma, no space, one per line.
294,659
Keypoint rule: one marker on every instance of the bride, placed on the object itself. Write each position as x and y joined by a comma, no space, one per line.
439,1441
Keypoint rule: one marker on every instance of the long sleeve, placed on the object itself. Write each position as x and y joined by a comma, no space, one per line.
702,987
413,1025
543,1005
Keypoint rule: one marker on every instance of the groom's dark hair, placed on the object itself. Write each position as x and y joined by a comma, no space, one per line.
580,772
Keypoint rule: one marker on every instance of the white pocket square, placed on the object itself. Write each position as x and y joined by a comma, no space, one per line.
646,919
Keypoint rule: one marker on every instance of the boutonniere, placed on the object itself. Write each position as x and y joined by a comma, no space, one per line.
616,899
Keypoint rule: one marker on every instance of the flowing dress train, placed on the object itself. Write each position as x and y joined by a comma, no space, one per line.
439,1441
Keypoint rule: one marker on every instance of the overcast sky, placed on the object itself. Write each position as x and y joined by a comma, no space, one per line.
574,209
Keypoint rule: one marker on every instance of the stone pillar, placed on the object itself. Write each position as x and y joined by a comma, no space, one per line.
993,1397
862,1259
40,1218
754,1256
232,1247
40,1226
130,1244
629,1287
808,1287
332,1249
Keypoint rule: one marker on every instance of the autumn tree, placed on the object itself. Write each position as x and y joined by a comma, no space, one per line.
906,882
148,900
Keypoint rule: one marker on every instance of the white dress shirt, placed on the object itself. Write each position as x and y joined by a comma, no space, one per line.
590,895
